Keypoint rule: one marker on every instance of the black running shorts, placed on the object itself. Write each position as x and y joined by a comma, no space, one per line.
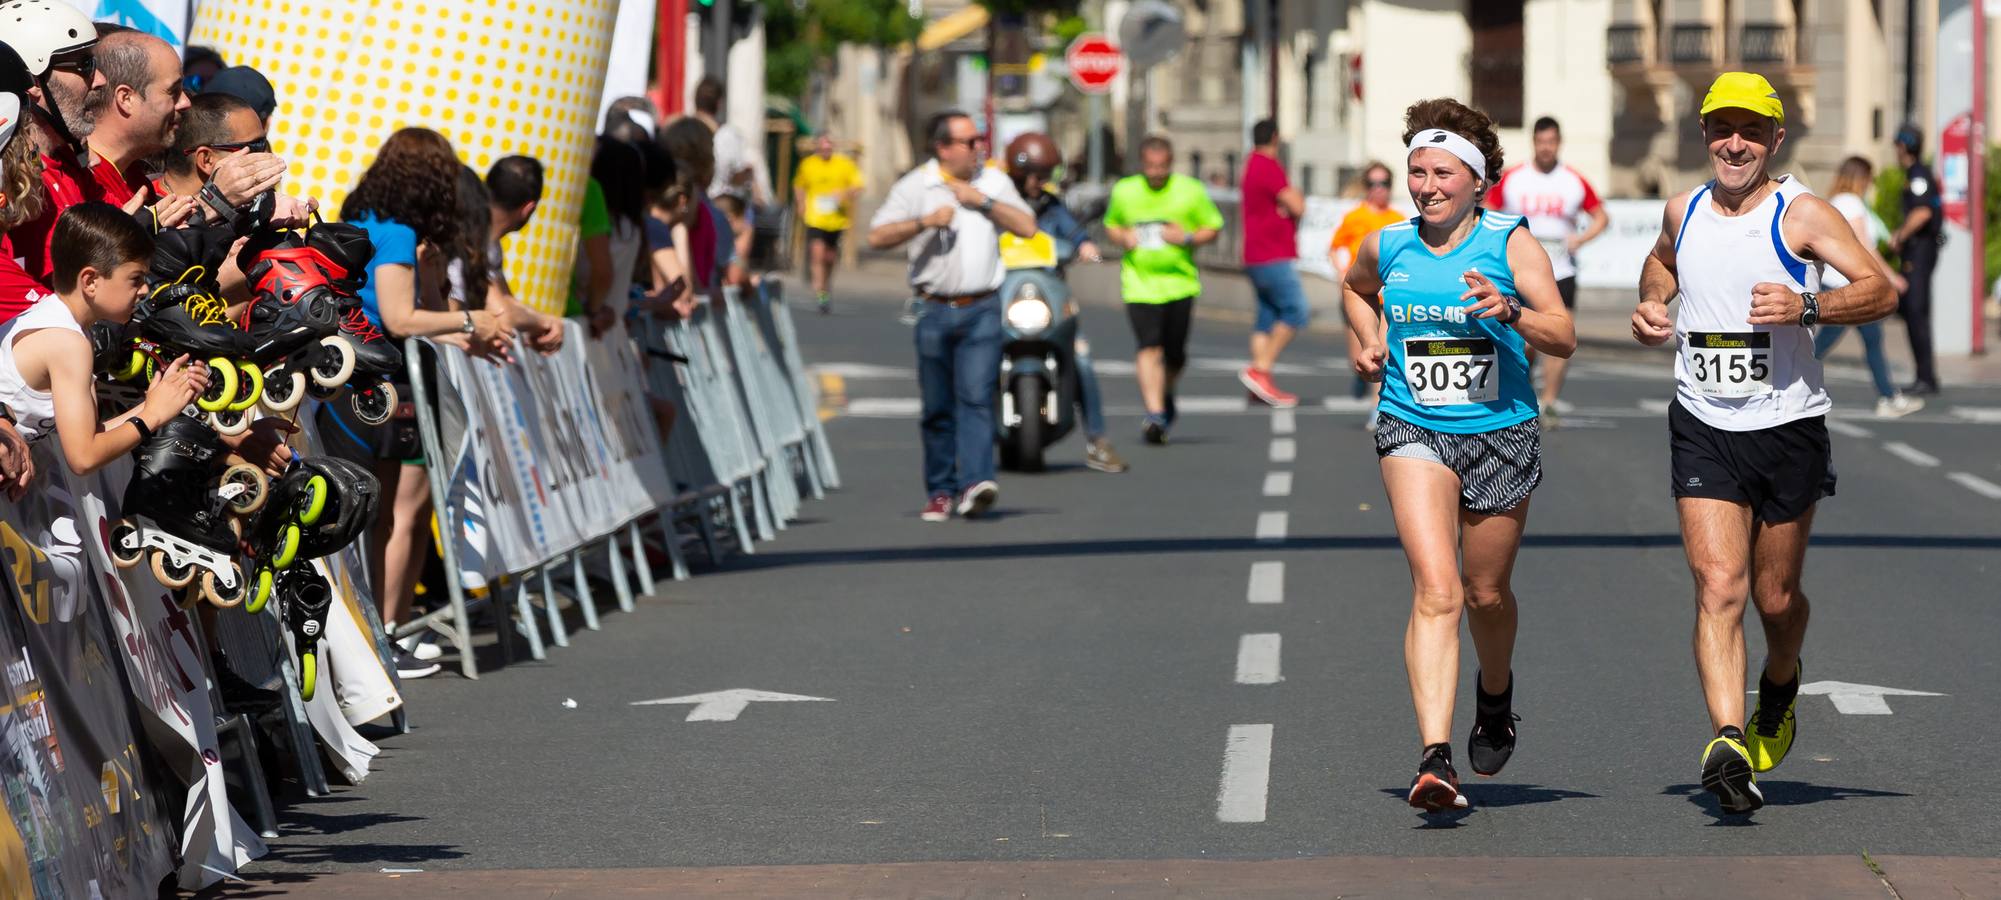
1161,324
830,238
1497,469
1780,472
1567,289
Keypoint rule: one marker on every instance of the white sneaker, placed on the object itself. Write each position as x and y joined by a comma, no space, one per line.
1897,406
1562,407
427,648
406,667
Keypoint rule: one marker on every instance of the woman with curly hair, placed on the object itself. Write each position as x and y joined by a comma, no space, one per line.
407,201
21,200
1464,291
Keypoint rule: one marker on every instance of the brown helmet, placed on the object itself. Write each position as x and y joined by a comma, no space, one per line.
1031,152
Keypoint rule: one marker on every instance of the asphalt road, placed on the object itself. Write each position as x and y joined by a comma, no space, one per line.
1061,681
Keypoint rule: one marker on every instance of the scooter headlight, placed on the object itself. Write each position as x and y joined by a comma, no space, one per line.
1028,312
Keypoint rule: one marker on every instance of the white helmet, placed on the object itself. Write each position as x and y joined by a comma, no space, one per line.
40,30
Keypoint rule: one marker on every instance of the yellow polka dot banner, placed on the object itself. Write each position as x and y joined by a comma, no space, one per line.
498,78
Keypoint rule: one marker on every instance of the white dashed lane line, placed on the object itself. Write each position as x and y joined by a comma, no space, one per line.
1267,583
1846,429
1272,526
1246,774
1976,484
1278,484
1910,454
1283,421
1284,450
1257,659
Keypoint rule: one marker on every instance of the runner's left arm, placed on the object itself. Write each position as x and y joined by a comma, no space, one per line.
1827,237
1543,320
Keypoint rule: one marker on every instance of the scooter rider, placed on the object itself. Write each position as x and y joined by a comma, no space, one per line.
1030,158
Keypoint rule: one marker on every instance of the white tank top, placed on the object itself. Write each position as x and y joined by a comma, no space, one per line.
34,411
1731,374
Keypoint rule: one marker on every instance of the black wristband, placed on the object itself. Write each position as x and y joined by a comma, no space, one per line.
145,432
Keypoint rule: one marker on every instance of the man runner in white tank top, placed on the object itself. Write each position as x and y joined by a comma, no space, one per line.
1748,434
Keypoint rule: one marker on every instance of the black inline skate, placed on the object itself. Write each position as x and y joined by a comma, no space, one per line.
293,318
181,508
306,599
318,507
184,315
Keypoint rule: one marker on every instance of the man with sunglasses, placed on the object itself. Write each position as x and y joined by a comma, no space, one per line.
951,210
57,43
216,131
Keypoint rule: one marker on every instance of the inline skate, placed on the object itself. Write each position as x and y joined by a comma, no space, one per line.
318,507
320,271
184,315
306,599
181,508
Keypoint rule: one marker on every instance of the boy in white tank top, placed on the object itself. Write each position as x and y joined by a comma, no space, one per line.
46,357
1749,449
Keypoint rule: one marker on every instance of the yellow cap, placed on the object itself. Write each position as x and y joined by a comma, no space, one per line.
1744,90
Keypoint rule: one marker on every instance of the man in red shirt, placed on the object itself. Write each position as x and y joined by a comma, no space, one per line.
1271,208
135,118
55,43
1551,195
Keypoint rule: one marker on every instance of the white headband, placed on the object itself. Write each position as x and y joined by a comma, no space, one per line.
1452,143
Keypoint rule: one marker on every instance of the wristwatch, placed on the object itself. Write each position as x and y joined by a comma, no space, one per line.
467,328
987,205
1810,309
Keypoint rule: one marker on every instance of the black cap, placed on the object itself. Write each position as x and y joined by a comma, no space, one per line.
246,84
1909,138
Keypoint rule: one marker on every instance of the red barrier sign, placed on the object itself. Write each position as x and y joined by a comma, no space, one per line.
1094,63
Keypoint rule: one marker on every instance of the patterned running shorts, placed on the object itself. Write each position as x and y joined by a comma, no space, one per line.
1497,469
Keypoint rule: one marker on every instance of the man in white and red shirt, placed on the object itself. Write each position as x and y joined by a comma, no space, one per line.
1551,196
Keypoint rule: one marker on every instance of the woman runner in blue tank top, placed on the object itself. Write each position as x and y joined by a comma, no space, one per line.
1440,309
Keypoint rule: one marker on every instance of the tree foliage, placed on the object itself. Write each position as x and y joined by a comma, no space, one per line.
1029,7
800,34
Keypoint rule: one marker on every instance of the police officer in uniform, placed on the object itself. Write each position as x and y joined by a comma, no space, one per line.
1917,242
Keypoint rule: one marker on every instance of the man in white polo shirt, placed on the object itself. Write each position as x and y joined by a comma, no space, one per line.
954,208
1551,196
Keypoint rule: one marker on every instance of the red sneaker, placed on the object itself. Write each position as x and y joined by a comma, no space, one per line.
1261,387
938,510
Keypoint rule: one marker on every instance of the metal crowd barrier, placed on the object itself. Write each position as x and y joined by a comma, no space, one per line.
746,436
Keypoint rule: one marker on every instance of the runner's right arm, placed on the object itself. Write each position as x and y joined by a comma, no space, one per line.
1361,302
1652,325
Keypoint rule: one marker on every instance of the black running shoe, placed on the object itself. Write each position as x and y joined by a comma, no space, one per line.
1493,738
1726,772
1436,787
1154,432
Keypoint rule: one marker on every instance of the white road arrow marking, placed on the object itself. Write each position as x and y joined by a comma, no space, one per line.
725,706
1860,699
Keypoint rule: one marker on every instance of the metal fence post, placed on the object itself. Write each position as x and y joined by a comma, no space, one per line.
459,630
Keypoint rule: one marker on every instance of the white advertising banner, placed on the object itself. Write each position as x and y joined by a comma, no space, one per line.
548,452
1613,260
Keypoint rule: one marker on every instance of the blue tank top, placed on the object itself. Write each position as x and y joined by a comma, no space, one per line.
1448,372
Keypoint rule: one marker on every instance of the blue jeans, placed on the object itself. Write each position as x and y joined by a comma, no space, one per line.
1280,297
958,364
1872,350
1089,398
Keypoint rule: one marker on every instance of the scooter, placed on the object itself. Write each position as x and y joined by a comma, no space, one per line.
1038,372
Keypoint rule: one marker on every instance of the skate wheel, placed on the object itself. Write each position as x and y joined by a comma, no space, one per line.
314,502
309,674
257,488
221,386
187,598
171,575
135,366
374,405
288,548
284,390
120,534
249,387
220,597
260,592
228,423
336,362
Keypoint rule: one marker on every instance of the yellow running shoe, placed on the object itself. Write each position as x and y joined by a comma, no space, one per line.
1726,772
1770,736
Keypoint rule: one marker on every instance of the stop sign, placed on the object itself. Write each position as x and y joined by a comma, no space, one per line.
1094,62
